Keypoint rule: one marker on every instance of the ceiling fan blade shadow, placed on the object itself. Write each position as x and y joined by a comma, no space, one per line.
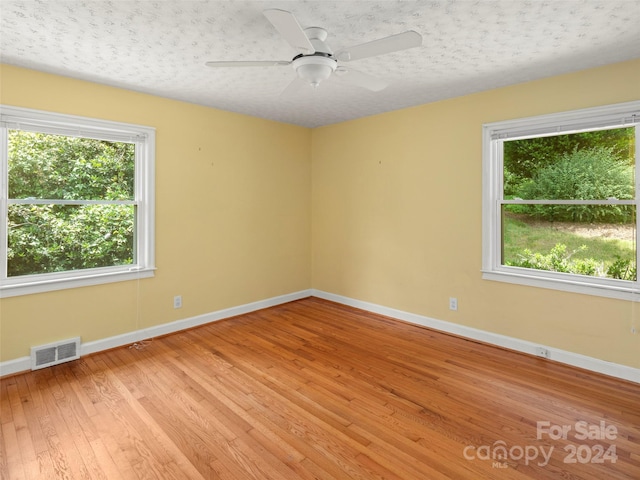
290,29
250,63
363,80
393,43
294,87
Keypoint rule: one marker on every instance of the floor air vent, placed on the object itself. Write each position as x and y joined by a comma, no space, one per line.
55,353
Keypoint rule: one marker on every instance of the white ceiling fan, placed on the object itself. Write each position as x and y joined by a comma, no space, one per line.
315,61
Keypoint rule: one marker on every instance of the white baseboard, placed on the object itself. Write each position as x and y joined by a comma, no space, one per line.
582,361
22,364
569,358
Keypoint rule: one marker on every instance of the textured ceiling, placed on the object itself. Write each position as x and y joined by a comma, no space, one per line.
160,47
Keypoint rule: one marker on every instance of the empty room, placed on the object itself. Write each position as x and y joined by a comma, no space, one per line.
319,239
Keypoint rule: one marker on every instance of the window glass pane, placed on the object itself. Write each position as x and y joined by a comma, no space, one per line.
57,238
581,166
58,167
601,248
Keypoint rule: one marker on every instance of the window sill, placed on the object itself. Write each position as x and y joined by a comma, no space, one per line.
620,292
54,282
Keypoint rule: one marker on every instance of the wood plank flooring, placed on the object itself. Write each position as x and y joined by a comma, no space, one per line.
316,390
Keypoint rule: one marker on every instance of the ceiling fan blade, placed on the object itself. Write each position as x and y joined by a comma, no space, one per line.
394,43
290,29
360,79
257,63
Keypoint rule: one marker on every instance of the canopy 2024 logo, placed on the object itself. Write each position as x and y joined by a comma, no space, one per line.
501,454
582,431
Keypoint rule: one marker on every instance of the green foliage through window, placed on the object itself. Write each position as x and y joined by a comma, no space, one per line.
70,168
596,173
594,166
45,238
524,158
558,260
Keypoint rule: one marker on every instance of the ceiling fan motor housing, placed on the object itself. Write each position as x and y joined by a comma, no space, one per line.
318,66
314,68
317,37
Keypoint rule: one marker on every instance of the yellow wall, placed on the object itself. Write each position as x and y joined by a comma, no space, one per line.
396,209
385,209
232,215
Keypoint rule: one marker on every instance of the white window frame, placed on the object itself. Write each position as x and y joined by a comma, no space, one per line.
493,135
144,198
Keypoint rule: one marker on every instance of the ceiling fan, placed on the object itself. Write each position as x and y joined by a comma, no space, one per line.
315,61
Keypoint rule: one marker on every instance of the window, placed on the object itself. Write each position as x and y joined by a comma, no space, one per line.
560,201
77,201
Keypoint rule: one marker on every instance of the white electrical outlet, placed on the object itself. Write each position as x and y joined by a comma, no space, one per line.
453,303
177,301
542,352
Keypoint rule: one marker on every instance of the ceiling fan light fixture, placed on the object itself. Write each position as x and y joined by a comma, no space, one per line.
315,61
314,68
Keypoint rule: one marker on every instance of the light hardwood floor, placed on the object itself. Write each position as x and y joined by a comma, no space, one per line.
316,390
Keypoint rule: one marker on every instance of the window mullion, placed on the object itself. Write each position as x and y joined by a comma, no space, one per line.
519,201
499,196
637,204
140,233
4,193
45,201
